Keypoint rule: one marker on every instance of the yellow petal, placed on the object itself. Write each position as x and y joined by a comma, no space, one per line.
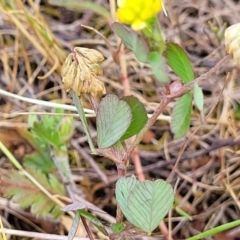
125,16
138,25
121,3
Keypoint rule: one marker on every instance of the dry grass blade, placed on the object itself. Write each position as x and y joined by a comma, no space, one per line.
2,230
34,29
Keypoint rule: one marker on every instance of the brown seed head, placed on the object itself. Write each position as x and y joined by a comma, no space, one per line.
80,71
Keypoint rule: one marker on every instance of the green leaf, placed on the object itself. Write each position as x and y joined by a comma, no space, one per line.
32,118
132,40
181,115
123,188
41,160
113,119
96,222
74,226
198,97
66,128
139,117
47,129
47,134
52,130
146,203
117,227
237,111
179,61
157,64
24,192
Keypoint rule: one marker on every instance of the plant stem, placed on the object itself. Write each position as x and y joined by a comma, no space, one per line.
121,169
188,87
81,113
167,99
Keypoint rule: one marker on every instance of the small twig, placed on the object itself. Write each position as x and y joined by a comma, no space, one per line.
89,233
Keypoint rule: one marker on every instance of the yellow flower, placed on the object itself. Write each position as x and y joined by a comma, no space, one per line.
137,12
232,41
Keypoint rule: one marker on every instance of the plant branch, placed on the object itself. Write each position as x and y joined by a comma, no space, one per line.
188,87
167,99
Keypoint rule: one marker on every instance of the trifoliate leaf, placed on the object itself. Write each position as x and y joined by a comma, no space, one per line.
146,203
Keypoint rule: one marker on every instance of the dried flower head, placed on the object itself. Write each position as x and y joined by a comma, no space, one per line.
232,41
80,71
137,12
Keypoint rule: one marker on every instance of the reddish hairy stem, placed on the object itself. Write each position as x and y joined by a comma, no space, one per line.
167,99
123,74
188,87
